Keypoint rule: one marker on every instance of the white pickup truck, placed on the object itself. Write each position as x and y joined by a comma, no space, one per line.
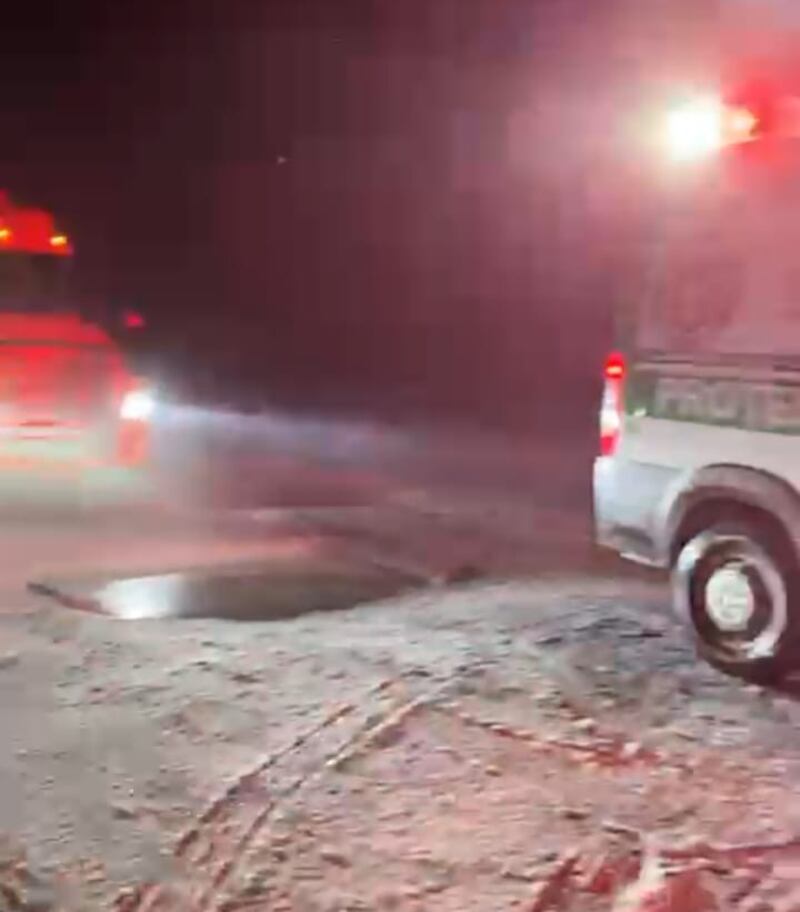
699,470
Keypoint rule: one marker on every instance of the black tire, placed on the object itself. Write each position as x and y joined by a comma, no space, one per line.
735,584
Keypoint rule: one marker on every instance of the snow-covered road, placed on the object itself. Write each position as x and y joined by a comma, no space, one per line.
442,698
517,740
447,748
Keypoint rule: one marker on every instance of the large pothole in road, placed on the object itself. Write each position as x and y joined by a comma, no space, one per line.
277,591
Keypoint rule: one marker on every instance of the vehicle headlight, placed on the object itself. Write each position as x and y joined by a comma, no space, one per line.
137,405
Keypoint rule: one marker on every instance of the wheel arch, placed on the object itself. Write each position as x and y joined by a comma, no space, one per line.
730,491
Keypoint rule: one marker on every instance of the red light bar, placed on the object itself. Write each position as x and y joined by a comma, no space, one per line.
25,230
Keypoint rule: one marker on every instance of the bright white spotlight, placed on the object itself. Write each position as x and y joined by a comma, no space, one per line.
137,405
696,130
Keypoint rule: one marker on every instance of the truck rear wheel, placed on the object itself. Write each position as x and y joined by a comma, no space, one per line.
736,583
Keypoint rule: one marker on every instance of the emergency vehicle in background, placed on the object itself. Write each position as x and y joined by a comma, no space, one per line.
699,469
69,401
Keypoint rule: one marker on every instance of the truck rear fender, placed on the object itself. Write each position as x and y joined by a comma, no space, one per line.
732,485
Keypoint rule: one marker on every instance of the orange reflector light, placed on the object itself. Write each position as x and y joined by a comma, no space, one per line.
59,240
5,234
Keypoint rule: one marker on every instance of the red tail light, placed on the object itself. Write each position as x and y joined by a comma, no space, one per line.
612,408
615,366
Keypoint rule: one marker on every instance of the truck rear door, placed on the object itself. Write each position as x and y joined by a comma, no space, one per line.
54,390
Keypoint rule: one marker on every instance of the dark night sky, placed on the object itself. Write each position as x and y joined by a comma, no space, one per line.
367,201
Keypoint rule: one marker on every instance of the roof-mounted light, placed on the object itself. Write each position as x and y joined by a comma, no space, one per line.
707,125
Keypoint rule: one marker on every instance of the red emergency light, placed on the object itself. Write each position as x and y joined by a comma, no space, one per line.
709,124
25,230
132,319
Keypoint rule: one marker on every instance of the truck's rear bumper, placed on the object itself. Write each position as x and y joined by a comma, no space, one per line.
43,486
71,451
627,498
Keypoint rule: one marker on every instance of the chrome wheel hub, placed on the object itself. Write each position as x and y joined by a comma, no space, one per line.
730,600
